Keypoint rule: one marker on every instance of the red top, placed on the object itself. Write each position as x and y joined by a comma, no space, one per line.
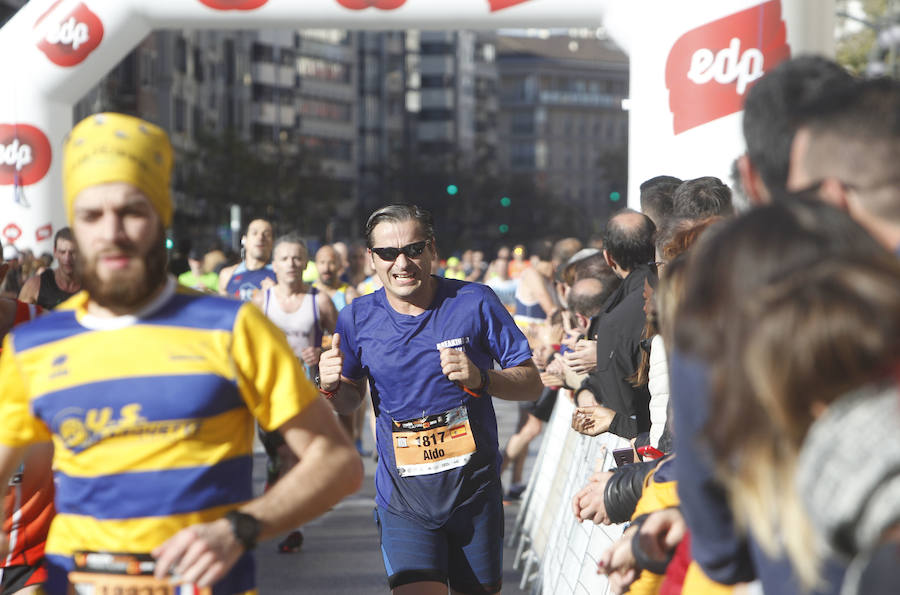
28,505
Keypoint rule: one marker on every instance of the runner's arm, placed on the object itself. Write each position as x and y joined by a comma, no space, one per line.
10,457
329,469
349,395
516,383
534,282
345,395
29,291
327,312
224,278
258,299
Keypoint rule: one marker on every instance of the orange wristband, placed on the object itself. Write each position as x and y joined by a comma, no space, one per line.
329,394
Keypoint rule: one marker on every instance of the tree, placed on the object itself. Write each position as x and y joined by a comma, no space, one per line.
283,182
855,50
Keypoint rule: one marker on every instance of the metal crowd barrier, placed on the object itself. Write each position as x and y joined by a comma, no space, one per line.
556,554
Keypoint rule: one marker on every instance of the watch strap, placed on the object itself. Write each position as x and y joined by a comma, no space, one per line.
246,528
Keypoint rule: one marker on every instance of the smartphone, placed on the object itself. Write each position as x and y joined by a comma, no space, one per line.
623,456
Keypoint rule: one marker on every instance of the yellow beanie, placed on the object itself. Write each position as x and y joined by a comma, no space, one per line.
110,147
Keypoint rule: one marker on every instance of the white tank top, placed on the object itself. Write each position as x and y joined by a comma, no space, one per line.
300,327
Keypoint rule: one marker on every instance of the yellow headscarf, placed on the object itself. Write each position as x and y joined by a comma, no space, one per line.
111,147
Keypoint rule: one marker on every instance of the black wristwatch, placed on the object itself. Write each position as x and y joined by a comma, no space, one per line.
485,382
245,527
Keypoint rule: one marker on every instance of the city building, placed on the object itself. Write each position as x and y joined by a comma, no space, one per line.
457,106
385,124
562,123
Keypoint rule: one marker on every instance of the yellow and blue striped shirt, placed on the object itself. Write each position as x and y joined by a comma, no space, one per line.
151,416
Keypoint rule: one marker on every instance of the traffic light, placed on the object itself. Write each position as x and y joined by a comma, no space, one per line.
169,244
505,202
614,196
452,189
504,228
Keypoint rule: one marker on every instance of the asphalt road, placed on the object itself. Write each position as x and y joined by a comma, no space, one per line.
341,553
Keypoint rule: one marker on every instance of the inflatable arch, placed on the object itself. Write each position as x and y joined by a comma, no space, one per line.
691,63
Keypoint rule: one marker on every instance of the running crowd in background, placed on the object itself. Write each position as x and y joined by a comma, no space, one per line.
744,347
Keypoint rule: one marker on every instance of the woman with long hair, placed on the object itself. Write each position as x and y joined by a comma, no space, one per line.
748,418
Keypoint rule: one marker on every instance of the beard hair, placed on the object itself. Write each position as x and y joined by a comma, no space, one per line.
132,287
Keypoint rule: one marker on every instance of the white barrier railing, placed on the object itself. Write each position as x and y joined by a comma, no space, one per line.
556,553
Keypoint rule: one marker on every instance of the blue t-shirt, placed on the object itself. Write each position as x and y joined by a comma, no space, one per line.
244,282
398,353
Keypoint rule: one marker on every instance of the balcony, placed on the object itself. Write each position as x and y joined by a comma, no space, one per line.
437,65
437,98
272,74
273,113
435,131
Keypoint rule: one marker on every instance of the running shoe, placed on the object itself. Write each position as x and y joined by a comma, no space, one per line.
515,492
292,543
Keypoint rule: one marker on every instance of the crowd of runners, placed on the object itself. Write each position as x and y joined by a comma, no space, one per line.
751,332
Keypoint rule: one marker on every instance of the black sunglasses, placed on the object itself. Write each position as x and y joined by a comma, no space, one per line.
413,250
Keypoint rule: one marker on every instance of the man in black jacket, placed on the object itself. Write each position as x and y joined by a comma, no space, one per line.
608,401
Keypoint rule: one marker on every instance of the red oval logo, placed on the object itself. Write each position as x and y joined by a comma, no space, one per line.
44,232
25,154
379,4
12,232
710,68
234,4
68,38
501,4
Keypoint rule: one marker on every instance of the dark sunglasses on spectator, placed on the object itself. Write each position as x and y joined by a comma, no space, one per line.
413,250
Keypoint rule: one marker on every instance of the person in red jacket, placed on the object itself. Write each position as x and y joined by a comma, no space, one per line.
28,503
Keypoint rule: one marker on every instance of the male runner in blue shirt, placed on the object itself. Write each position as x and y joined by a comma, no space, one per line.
428,347
254,273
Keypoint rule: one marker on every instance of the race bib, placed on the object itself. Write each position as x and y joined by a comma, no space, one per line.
433,443
122,574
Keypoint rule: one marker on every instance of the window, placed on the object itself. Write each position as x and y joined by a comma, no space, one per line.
198,65
230,63
326,110
438,81
181,55
522,123
323,69
262,53
197,120
522,155
328,148
148,63
180,109
435,115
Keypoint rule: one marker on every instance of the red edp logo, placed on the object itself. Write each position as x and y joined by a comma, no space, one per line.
25,154
710,68
363,4
68,38
501,4
234,4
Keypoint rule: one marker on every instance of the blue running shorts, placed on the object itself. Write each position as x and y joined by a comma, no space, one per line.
467,552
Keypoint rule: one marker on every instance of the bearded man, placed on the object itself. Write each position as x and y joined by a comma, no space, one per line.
149,393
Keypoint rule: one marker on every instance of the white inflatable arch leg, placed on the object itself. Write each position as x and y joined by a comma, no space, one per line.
56,50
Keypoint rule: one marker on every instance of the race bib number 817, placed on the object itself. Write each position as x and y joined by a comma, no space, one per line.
433,443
